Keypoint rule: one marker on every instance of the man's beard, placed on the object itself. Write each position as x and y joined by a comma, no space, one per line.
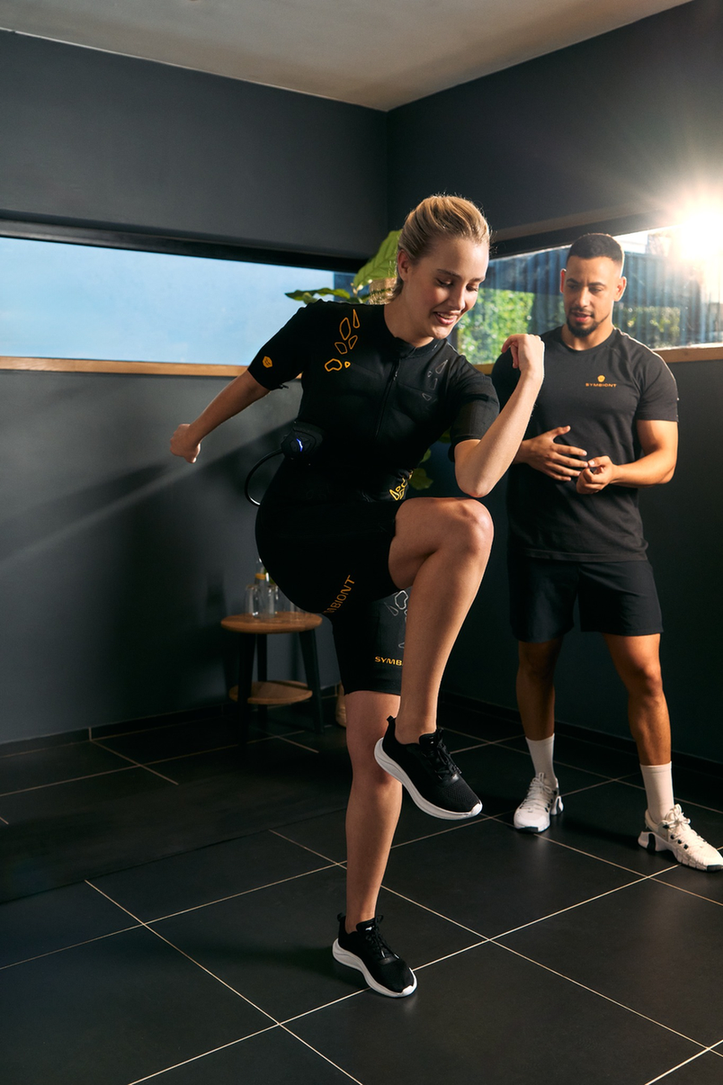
582,333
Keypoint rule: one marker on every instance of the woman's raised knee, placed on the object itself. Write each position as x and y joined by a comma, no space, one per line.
470,524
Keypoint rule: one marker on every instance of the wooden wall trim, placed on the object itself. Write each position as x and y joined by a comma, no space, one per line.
89,365
180,369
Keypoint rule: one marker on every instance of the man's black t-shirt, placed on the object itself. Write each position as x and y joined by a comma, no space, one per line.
601,393
379,401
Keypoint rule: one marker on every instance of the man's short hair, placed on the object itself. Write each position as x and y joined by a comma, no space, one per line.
591,246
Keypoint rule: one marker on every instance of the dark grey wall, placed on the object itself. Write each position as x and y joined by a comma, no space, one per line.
106,140
684,526
629,119
117,561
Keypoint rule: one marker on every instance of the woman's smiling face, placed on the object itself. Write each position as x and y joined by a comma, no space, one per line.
441,287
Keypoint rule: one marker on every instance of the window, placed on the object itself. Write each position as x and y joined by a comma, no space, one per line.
79,301
673,298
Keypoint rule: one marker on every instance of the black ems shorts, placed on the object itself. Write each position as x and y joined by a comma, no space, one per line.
333,559
616,597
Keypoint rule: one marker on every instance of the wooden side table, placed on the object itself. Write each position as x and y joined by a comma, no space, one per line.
253,633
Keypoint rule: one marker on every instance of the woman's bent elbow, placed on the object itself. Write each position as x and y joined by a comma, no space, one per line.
477,488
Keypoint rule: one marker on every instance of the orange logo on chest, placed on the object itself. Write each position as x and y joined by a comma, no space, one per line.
345,344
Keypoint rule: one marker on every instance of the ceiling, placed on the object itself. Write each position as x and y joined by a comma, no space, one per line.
379,53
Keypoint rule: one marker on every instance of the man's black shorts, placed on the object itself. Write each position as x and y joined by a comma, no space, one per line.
617,597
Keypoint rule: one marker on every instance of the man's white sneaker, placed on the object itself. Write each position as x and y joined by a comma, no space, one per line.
675,834
542,801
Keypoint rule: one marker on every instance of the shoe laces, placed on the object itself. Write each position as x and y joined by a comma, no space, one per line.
678,825
374,939
539,793
438,755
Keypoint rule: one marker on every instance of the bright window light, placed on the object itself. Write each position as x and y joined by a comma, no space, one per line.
701,236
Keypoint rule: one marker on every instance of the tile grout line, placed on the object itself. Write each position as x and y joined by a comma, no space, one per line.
299,745
75,945
569,908
687,1062
69,780
203,1055
322,1056
137,764
599,994
325,1006
220,900
433,911
166,941
591,855
312,851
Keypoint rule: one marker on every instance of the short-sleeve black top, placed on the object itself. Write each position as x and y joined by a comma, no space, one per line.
379,401
601,393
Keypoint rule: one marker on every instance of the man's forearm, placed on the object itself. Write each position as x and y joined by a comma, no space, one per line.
651,470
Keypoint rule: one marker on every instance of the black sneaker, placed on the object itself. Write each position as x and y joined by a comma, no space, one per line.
429,775
366,950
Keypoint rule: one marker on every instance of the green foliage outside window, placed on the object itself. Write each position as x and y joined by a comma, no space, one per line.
497,314
654,325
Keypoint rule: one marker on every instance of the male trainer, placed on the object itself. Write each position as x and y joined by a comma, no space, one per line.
576,532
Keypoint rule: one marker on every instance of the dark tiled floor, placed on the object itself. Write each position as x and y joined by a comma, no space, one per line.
187,938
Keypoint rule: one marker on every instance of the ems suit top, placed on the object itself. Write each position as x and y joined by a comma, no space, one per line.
326,523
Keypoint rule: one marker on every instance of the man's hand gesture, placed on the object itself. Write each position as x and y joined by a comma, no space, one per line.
598,474
560,462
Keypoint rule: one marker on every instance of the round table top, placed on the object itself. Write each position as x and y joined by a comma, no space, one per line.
284,621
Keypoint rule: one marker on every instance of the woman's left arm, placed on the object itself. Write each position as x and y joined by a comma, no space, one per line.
479,465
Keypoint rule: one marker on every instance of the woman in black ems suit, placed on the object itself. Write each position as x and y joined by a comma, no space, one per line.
380,384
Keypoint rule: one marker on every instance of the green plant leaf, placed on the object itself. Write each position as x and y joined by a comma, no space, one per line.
420,480
383,265
314,295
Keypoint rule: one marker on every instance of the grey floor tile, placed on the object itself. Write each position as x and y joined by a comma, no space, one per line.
114,1011
48,922
493,879
274,945
650,947
489,1017
706,1069
274,1057
213,873
82,794
52,764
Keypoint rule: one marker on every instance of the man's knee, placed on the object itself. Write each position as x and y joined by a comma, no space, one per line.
646,680
537,662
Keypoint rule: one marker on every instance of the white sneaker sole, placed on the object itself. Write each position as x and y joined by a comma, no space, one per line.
343,956
652,843
555,809
425,805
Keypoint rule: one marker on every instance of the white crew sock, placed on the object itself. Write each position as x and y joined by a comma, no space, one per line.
541,753
658,780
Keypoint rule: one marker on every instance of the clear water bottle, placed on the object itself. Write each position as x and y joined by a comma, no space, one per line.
261,594
255,590
268,596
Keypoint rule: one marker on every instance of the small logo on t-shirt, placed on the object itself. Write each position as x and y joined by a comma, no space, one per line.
600,383
266,362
